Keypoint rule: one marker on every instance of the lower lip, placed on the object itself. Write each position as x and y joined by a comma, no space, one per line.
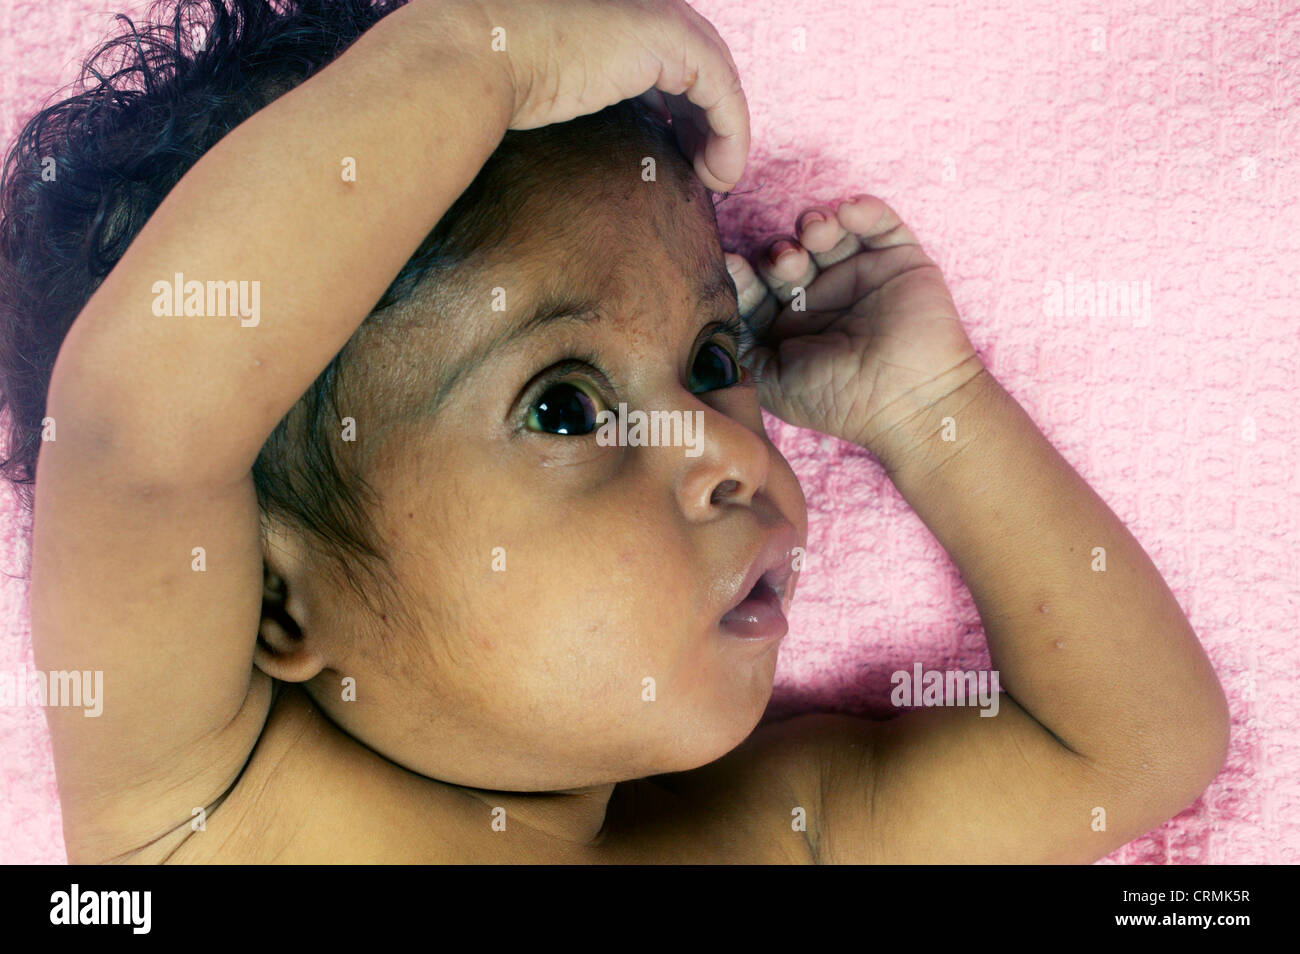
758,617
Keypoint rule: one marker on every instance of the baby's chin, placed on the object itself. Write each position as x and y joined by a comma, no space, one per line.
697,739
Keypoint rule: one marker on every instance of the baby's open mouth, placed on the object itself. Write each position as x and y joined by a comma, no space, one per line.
757,608
759,615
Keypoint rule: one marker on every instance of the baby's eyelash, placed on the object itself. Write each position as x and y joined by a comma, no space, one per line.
738,330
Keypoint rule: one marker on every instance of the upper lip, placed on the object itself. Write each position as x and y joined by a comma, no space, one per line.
773,565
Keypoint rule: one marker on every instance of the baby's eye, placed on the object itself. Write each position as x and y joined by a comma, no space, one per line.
563,408
714,368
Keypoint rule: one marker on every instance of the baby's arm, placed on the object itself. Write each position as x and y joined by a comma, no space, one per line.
159,419
1110,701
1110,705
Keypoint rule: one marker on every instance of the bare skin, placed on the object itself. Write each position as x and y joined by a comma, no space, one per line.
313,793
522,690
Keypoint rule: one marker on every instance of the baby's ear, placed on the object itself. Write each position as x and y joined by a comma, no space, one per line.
285,649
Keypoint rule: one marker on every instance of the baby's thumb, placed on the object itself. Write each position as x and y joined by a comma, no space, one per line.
764,364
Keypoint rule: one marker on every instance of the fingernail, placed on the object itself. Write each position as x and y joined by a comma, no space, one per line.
779,248
813,216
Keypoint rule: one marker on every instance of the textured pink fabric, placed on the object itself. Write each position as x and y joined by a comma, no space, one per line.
1027,142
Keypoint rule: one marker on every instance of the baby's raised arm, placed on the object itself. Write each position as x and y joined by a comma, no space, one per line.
312,206
160,418
1112,720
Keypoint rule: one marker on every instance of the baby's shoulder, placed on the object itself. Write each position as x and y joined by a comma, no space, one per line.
311,794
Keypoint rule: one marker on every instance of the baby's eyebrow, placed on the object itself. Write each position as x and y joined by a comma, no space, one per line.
560,307
557,308
552,309
717,283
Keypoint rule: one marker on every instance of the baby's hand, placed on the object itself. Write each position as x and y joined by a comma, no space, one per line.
856,337
569,58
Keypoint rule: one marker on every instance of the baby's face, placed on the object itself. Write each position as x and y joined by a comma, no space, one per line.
566,596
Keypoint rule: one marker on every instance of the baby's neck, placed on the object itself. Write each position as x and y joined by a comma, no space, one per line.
576,818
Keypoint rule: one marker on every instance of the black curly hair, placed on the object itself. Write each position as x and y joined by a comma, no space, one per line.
87,172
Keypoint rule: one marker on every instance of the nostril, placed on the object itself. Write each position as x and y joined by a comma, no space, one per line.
725,490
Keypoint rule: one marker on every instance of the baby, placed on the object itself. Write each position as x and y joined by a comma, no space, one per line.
343,296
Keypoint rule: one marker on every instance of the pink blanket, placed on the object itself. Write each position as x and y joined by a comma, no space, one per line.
1039,148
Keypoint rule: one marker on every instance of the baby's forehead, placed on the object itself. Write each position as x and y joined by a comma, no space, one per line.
641,281
631,260
503,314
610,220
617,240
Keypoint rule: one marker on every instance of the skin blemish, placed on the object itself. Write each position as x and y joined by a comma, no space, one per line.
1042,607
1060,644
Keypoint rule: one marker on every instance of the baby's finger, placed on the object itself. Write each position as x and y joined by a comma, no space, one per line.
727,147
708,77
755,302
766,366
718,161
689,127
842,284
785,267
874,222
821,233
